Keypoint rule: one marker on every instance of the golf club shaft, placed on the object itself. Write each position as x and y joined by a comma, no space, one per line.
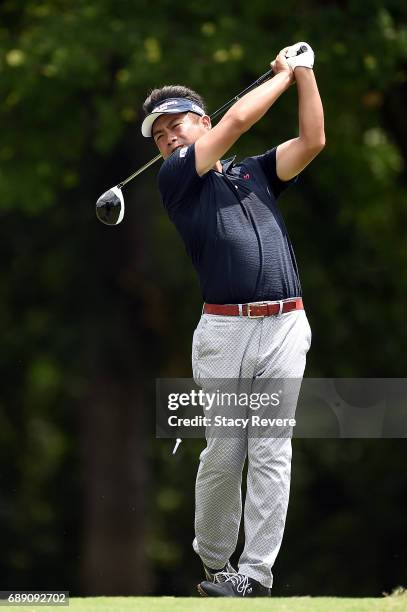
220,110
139,171
260,80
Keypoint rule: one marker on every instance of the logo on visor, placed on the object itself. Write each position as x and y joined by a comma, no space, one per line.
183,151
164,106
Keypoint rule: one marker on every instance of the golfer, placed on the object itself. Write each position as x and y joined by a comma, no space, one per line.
253,323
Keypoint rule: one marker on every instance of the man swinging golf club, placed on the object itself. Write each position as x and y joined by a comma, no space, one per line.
253,323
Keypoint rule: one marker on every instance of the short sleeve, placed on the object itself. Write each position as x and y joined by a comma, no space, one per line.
178,181
268,164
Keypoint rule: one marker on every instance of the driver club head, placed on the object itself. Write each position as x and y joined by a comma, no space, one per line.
110,206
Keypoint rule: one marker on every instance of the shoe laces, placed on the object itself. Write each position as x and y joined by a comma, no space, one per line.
222,576
241,583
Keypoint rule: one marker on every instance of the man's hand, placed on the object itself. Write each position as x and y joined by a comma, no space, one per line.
300,54
280,64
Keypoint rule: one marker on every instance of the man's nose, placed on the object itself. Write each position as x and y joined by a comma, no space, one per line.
171,139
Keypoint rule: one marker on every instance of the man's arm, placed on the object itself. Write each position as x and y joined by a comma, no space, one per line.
210,147
294,155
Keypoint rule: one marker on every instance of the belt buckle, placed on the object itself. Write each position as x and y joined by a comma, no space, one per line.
250,316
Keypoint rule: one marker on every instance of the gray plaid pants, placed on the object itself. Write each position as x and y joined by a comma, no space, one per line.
242,348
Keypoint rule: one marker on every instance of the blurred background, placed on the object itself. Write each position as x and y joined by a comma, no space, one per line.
91,315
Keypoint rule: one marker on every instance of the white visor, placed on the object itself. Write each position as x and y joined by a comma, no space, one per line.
169,106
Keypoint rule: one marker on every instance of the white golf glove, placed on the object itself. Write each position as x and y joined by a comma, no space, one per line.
300,54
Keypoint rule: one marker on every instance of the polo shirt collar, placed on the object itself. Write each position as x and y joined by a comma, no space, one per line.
228,163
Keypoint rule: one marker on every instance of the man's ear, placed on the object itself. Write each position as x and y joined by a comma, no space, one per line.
206,122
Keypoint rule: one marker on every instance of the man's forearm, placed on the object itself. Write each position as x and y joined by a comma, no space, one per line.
310,110
249,109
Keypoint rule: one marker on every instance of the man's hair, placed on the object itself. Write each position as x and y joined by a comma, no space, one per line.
171,91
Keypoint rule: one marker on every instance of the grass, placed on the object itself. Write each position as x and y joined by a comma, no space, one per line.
395,602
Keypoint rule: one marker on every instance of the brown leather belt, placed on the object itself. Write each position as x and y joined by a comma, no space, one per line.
253,311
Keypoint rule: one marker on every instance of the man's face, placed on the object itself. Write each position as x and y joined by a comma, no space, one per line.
171,131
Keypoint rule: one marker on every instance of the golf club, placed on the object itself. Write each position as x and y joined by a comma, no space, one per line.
110,205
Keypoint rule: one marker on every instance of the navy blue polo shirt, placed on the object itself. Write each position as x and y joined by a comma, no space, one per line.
231,226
